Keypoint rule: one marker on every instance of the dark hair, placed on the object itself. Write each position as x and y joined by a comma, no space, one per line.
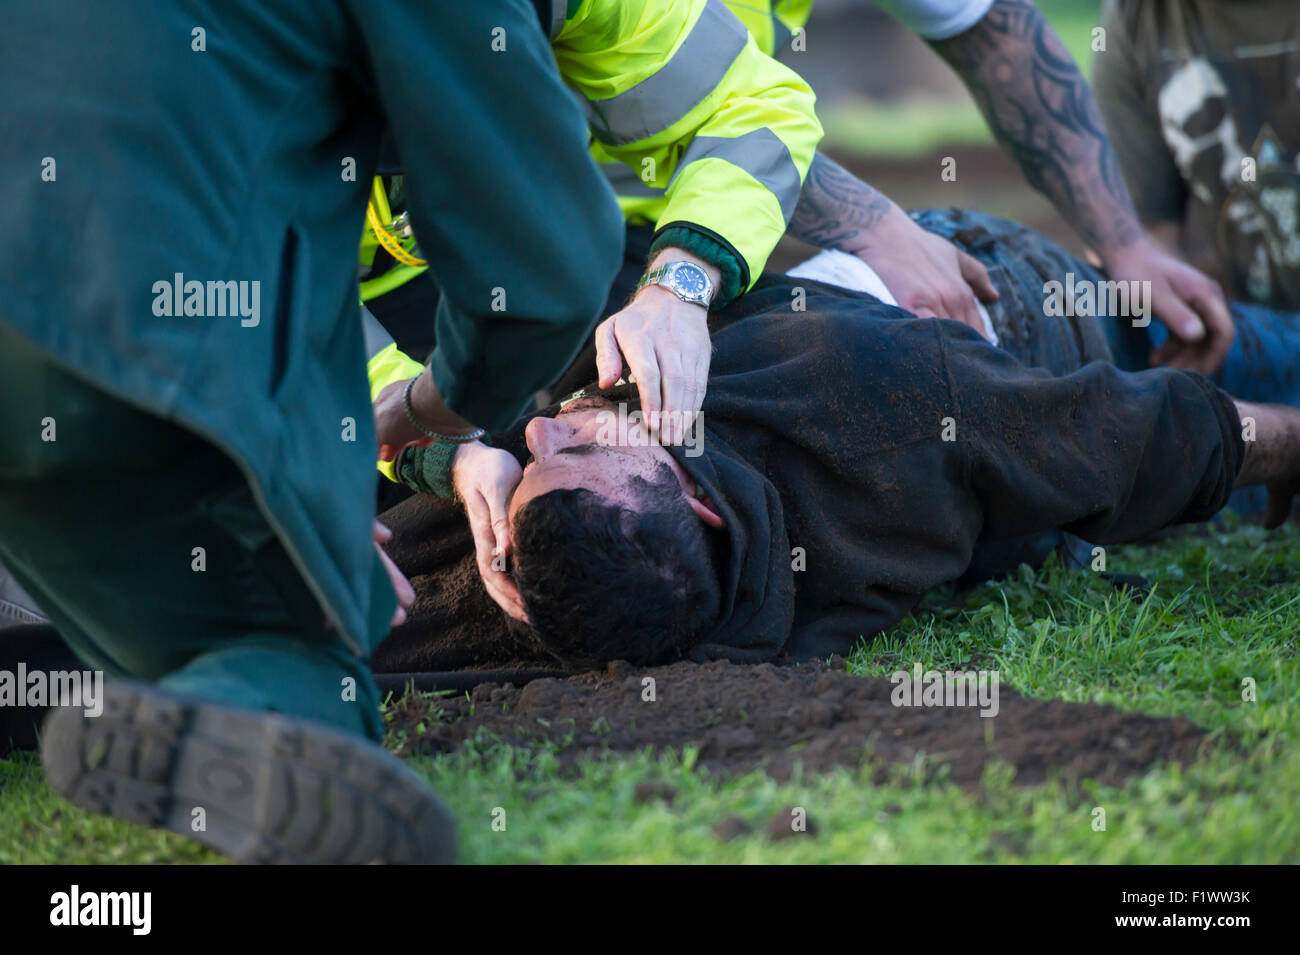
603,582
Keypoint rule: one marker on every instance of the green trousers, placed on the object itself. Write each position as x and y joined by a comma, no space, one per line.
143,543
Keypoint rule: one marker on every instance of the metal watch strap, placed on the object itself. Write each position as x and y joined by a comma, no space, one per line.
651,277
654,276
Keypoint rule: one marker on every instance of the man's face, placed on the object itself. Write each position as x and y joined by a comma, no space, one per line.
574,450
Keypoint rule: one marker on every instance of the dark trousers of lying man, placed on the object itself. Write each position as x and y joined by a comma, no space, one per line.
850,458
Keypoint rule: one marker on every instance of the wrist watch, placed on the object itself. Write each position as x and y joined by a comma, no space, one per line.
686,280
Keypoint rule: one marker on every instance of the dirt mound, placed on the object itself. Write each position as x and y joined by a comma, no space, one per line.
746,717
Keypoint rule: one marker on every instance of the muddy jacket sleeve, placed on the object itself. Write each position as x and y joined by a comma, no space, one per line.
1108,455
521,232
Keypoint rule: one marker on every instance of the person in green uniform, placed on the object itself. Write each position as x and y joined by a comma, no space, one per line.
711,138
187,449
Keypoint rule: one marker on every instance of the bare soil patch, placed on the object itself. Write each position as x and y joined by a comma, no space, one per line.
772,717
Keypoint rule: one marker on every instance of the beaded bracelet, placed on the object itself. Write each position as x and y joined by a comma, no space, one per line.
410,416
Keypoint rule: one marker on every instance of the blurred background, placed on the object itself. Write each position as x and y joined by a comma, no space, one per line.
893,110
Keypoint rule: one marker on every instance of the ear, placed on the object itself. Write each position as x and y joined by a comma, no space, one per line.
705,512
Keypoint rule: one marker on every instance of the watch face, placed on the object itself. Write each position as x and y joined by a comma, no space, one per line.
691,279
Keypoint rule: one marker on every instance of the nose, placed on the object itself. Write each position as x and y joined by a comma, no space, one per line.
544,436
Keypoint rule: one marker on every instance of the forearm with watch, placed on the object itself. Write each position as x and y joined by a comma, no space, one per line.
679,253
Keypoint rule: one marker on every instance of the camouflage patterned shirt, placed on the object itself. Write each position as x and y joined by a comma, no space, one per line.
1202,100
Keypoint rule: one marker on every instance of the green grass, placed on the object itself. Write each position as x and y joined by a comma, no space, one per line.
901,130
1226,606
916,126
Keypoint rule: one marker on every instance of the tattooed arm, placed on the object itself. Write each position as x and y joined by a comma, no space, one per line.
926,274
1041,110
836,209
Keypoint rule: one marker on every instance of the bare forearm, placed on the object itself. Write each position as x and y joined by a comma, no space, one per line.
1041,110
1272,435
924,273
1272,440
836,209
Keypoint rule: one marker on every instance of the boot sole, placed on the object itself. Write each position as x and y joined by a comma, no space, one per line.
272,788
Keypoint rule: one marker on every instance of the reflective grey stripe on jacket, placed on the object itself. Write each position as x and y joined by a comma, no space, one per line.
377,337
693,72
760,153
781,37
627,183
558,10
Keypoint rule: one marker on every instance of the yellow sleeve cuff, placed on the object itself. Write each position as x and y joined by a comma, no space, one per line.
385,367
389,365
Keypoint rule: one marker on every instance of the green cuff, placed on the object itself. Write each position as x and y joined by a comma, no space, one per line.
428,470
710,250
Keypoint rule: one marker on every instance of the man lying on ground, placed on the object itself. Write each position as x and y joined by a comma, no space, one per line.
852,457
823,454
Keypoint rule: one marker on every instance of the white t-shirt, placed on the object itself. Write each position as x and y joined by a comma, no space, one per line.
936,19
848,271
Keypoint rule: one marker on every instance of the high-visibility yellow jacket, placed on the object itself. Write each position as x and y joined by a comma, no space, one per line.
700,127
772,23
696,123
709,131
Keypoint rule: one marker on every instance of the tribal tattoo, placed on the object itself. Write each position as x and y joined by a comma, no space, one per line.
835,207
1041,110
